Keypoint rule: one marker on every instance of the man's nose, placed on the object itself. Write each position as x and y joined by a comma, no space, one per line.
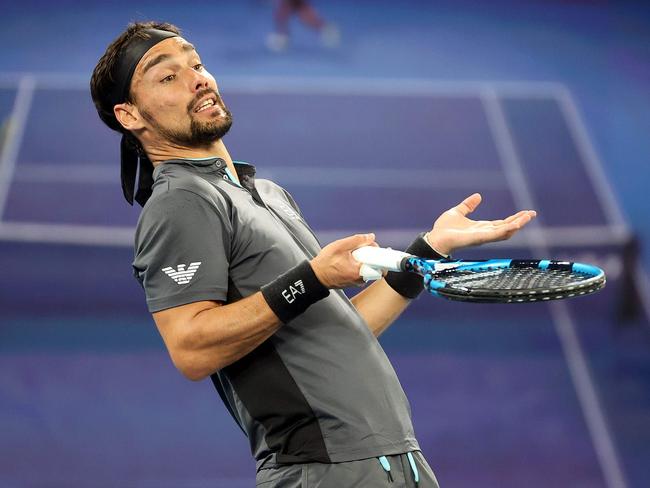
199,82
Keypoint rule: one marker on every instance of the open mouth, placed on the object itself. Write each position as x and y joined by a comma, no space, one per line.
206,104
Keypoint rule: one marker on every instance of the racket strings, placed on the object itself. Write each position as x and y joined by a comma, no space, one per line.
512,278
477,282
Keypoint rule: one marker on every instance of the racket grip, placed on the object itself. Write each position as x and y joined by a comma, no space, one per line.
380,258
368,273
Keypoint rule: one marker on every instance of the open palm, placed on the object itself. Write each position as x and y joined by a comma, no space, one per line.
454,230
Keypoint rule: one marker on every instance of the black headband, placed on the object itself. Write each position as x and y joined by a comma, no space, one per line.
129,59
130,156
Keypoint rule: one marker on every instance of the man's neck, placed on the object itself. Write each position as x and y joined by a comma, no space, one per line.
218,149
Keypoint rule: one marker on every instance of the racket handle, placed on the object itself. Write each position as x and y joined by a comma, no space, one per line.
368,273
378,259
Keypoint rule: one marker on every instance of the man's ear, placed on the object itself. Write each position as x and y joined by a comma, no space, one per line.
128,116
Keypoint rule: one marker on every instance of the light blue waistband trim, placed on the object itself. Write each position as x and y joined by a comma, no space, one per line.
383,460
414,468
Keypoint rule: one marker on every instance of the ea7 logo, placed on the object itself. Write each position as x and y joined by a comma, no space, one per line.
290,212
181,275
298,288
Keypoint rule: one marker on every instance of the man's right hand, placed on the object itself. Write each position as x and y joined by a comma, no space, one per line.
335,267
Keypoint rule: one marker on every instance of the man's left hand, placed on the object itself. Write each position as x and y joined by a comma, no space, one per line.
453,230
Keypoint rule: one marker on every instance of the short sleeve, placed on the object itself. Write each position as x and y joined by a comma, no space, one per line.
182,249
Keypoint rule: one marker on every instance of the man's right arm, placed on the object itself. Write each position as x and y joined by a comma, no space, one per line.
205,336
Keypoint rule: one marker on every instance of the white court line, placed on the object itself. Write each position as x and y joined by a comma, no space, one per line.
590,158
15,132
68,173
320,85
604,192
287,175
93,235
382,86
583,381
565,327
122,236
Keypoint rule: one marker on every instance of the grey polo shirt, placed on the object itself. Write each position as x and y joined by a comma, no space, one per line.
321,388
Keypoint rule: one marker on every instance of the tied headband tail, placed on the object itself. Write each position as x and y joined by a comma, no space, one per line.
130,161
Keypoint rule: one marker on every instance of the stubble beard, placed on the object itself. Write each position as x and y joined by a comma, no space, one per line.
200,134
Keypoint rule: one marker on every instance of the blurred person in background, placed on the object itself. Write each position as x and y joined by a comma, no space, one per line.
278,41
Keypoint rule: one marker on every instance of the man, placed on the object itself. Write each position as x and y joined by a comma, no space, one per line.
241,290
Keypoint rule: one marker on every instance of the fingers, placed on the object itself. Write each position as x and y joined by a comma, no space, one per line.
522,217
499,230
468,205
335,267
354,242
519,214
514,223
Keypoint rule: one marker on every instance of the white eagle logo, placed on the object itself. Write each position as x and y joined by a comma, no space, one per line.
181,275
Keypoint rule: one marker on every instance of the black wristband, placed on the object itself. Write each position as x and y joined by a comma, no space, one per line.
410,285
292,293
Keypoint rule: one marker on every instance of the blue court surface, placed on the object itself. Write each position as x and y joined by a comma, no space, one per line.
502,395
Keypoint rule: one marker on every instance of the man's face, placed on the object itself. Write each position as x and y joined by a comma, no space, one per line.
177,97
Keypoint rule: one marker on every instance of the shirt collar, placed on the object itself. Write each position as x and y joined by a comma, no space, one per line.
215,165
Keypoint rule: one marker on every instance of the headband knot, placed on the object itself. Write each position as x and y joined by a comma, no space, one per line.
130,157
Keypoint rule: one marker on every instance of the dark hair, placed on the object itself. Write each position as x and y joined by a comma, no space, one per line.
103,78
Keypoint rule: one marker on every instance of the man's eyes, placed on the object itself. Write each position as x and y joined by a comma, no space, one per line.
172,77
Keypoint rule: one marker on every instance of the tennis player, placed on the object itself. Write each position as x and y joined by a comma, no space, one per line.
242,292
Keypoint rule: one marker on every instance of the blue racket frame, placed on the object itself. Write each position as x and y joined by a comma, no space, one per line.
434,273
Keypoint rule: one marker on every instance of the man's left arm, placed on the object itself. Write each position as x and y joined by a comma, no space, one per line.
380,305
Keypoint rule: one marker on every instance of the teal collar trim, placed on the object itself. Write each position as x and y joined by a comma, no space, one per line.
230,177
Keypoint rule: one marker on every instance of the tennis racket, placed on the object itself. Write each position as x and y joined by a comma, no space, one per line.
490,281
